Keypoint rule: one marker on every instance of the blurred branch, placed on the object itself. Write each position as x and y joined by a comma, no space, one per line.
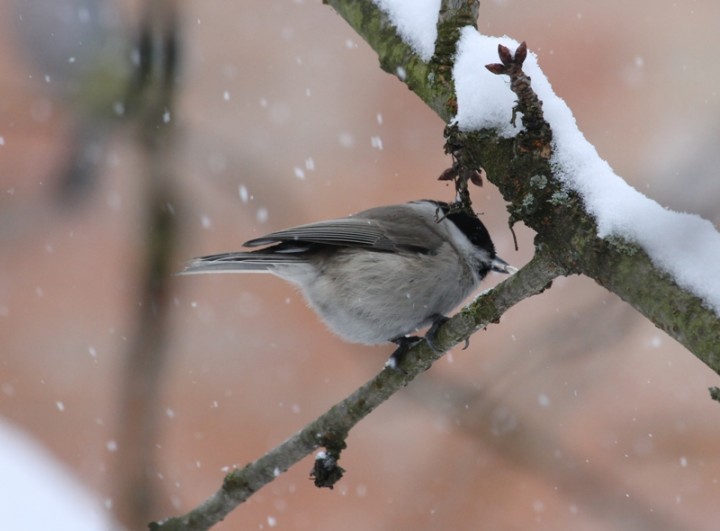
150,100
86,67
524,442
331,429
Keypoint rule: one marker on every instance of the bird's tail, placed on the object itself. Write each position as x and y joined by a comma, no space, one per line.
254,262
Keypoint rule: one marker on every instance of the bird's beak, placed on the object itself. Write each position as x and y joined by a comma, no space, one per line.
501,266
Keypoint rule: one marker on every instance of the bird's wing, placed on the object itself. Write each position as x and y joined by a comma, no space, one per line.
377,229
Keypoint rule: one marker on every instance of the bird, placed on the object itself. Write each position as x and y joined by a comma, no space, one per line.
377,276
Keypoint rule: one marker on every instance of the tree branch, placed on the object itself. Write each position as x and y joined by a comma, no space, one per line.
332,427
567,243
537,197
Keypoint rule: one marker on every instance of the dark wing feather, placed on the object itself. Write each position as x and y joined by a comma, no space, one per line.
346,231
377,229
257,261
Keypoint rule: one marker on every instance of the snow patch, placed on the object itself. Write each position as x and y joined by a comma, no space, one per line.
416,22
683,245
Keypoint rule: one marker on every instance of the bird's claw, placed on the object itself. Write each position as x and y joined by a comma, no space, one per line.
404,343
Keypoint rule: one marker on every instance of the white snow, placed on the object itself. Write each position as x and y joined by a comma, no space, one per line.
346,139
484,99
262,215
416,22
244,194
684,245
38,493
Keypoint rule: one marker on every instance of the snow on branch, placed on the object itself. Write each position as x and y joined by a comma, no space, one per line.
659,261
588,220
682,245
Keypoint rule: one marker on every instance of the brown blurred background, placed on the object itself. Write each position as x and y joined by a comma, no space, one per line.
572,413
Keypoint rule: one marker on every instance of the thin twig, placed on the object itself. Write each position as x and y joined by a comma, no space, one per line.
335,424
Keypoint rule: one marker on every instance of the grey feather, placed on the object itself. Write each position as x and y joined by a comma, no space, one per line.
239,262
390,229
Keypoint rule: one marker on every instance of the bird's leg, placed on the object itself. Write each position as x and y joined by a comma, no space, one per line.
437,321
404,343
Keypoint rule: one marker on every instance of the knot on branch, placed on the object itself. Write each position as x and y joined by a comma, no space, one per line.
465,167
326,471
715,393
537,137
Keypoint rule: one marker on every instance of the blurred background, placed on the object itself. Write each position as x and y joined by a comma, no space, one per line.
133,137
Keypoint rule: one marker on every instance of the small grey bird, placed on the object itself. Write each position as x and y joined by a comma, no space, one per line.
379,275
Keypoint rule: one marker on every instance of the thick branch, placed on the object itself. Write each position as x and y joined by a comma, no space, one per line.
432,81
567,243
335,424
538,199
557,214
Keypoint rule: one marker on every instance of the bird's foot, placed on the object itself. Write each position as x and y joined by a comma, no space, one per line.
404,344
437,321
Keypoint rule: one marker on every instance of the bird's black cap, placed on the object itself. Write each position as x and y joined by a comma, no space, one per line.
468,223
